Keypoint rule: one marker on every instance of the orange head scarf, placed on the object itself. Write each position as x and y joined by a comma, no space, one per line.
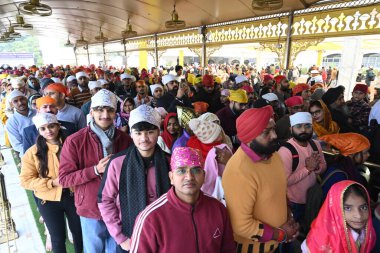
329,231
347,143
329,126
43,101
58,87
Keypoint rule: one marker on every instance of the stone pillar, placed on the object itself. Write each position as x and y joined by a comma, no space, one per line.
181,57
350,63
320,58
143,55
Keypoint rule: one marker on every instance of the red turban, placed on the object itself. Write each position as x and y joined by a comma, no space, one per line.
252,122
208,81
293,101
247,88
59,87
267,78
361,87
299,88
279,78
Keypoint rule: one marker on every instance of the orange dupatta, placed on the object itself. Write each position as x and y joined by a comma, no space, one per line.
329,126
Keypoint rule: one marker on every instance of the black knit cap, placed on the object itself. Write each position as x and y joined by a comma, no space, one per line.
332,95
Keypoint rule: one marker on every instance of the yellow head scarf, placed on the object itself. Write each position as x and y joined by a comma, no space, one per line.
239,96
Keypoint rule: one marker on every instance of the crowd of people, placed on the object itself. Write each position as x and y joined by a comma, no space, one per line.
190,160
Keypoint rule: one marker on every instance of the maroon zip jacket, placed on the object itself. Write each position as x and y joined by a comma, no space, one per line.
170,225
80,153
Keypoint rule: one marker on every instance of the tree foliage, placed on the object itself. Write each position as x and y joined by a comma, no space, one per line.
25,44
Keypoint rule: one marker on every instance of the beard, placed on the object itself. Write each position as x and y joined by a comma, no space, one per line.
302,137
267,150
174,91
285,88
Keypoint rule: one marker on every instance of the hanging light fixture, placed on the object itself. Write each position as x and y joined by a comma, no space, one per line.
267,5
128,32
175,23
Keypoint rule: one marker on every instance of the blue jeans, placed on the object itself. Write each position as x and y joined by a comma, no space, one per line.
96,237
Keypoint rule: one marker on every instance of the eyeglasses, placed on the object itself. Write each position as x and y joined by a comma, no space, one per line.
317,112
184,171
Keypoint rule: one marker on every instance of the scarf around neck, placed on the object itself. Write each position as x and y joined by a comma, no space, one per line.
132,184
106,137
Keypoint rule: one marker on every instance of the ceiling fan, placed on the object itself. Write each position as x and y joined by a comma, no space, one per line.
34,7
11,33
81,40
128,32
175,23
68,42
4,38
267,5
20,23
101,37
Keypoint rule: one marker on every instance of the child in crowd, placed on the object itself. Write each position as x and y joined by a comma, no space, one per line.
344,223
122,118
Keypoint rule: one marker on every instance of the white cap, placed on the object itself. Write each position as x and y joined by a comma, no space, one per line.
56,80
168,78
94,84
102,81
314,71
70,78
270,97
240,79
153,87
17,83
300,118
80,74
144,113
14,94
125,75
317,79
42,119
104,98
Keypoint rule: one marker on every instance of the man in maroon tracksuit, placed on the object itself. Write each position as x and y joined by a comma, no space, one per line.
184,219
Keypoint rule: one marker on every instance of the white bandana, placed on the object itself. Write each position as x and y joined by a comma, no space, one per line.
144,113
104,98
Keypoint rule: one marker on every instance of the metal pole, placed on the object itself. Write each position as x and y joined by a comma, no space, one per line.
88,56
125,47
75,54
104,55
156,49
288,41
204,39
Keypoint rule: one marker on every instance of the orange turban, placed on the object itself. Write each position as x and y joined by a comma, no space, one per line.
43,101
252,122
347,143
299,88
59,87
200,106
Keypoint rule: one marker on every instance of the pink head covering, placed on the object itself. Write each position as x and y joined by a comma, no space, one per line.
185,156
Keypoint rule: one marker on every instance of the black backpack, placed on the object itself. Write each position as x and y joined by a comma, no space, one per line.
295,155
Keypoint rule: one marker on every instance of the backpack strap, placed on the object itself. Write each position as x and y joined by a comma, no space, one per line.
295,155
331,174
313,145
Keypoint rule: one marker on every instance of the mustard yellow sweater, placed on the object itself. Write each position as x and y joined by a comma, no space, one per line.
255,193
